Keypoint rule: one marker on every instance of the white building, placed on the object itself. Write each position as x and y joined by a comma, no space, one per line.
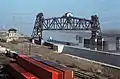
13,35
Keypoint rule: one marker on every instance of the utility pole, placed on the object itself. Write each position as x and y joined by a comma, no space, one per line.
29,48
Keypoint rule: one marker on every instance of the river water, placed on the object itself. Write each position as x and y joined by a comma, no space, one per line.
67,36
70,36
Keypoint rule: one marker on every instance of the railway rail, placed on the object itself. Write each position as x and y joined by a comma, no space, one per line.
78,74
81,75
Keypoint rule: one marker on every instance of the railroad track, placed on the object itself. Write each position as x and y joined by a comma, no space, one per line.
78,74
81,75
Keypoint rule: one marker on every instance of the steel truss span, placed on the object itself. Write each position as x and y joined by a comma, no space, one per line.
66,22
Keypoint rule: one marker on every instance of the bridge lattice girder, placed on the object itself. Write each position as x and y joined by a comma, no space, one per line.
66,23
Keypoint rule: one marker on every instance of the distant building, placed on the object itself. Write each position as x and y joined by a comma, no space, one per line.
3,33
13,35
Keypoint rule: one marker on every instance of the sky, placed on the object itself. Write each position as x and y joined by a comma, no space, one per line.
20,14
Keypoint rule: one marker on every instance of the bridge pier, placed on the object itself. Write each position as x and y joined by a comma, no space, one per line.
33,41
37,41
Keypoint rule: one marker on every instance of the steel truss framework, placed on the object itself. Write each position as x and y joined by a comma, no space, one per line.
66,23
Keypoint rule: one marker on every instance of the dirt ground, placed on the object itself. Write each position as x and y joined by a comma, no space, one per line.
82,65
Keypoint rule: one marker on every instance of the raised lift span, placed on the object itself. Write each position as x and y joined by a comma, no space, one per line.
67,22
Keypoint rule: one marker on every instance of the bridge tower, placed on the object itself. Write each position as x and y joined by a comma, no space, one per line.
96,37
38,28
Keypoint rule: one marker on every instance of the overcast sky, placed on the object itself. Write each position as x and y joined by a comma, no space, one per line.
21,14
